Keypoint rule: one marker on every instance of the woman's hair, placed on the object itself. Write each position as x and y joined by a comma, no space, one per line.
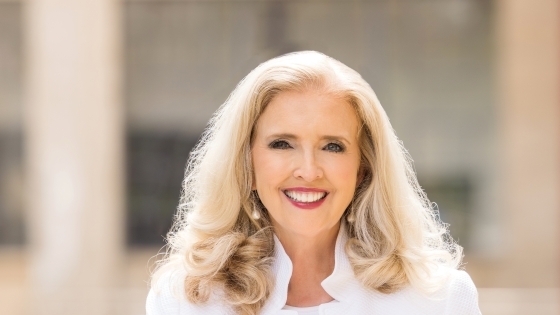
396,239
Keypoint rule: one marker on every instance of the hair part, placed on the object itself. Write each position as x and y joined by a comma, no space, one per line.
396,240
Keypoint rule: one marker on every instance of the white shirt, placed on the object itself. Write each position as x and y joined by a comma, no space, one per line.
310,310
458,297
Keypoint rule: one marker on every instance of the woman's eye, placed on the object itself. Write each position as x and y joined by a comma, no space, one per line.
280,144
334,147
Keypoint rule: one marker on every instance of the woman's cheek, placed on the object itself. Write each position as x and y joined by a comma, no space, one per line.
272,168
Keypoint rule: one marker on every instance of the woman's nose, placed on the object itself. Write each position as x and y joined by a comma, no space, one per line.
308,169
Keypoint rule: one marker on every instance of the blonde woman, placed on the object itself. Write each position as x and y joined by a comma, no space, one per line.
300,199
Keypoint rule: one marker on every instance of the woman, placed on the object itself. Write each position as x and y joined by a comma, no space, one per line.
299,199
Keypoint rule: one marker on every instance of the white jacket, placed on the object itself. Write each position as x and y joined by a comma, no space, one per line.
458,297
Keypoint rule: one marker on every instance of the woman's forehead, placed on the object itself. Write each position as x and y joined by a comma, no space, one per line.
311,111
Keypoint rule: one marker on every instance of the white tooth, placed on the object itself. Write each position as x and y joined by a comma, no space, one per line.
305,196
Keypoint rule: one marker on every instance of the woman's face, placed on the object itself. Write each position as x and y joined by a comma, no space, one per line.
306,160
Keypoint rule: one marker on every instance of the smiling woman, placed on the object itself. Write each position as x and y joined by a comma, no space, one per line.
306,179
300,199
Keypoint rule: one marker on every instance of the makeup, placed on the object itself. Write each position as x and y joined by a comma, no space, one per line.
306,198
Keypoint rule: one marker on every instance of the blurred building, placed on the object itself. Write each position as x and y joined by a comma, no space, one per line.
102,100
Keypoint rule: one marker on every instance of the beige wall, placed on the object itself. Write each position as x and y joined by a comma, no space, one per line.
528,64
529,51
74,145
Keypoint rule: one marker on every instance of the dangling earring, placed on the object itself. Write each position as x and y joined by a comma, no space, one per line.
256,213
351,217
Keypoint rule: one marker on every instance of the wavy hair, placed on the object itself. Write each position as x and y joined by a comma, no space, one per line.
395,240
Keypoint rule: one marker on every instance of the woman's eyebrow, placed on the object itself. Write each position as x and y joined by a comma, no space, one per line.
283,136
336,138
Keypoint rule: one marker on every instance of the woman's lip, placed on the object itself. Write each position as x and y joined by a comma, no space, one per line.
307,205
305,189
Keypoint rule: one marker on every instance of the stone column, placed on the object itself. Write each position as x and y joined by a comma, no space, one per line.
74,146
528,50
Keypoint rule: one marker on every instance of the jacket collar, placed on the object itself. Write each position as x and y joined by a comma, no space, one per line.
339,284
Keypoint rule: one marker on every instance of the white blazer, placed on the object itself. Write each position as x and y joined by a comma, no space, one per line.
458,297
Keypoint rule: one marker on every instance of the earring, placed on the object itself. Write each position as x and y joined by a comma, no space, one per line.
256,213
351,217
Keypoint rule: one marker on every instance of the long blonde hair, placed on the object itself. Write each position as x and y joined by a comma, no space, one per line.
396,239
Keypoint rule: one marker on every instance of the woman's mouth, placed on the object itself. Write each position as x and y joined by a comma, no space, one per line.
305,198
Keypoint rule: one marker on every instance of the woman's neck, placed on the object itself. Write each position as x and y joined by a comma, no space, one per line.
312,260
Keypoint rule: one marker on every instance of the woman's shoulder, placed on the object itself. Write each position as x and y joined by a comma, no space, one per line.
462,296
456,296
165,294
167,297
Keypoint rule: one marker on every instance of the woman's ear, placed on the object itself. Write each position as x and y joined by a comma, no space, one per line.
361,175
249,157
253,181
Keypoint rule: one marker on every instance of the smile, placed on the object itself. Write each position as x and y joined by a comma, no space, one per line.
305,198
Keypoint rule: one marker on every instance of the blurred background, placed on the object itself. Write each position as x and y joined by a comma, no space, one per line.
102,100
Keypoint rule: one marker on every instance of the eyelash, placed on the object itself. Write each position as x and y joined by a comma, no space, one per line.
340,148
284,145
276,144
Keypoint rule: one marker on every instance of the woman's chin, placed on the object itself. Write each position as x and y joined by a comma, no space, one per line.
303,229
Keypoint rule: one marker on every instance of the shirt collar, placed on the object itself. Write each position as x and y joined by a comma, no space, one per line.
342,282
339,284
